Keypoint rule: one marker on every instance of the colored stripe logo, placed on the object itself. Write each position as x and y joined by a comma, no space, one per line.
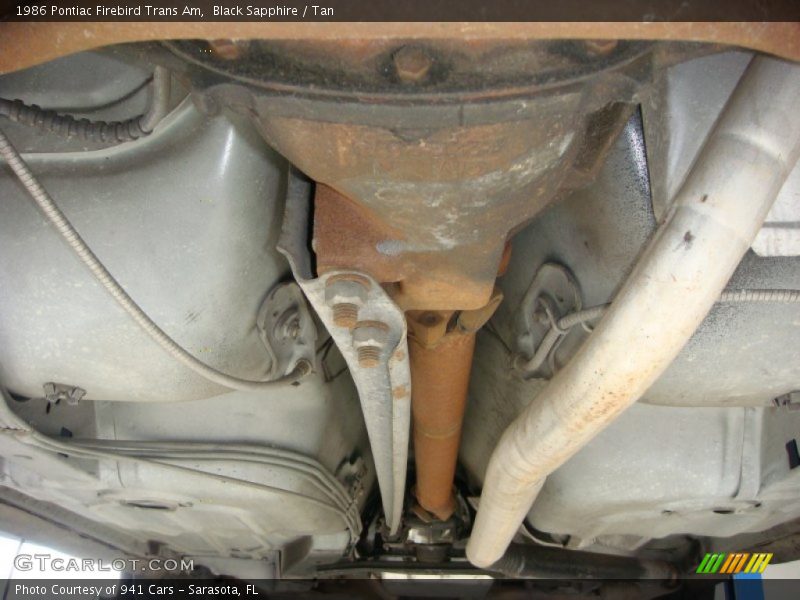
737,562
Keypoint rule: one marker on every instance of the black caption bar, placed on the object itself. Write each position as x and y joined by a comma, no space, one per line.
401,10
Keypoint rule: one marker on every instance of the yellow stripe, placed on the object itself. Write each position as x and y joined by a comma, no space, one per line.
740,564
753,562
727,563
765,562
758,563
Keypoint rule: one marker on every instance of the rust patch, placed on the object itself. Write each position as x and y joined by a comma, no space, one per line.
439,382
347,235
30,43
441,361
399,392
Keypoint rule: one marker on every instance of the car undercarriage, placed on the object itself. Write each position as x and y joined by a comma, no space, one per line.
460,304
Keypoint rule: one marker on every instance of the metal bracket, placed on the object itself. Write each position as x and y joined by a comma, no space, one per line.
370,332
287,329
53,392
554,289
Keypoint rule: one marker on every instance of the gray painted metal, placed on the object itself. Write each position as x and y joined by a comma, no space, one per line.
199,498
153,222
709,472
96,85
678,116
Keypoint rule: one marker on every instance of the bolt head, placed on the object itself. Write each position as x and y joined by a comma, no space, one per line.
412,64
430,319
540,316
229,49
600,47
369,333
345,291
369,338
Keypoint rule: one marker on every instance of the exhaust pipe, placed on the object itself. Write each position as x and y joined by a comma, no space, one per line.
712,223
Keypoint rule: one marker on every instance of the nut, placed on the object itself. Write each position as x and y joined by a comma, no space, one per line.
288,325
303,367
369,339
412,64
